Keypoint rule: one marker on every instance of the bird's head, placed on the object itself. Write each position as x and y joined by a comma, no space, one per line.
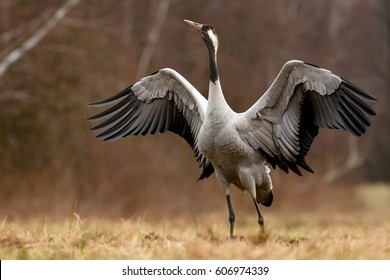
208,34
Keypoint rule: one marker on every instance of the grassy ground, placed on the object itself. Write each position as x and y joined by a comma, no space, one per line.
322,235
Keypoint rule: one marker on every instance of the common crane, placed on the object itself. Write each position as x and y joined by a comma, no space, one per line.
278,129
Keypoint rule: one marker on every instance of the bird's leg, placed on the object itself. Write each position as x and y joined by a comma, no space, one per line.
232,217
260,219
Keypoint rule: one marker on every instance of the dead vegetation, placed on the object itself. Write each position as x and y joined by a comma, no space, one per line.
355,235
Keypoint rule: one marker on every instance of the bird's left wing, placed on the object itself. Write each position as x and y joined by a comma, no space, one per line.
303,98
163,101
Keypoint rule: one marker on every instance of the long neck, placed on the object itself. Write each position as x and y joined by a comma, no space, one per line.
216,98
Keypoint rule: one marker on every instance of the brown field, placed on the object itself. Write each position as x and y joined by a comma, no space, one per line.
138,198
316,235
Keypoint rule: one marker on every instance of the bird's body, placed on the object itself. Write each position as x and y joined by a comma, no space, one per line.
234,160
278,129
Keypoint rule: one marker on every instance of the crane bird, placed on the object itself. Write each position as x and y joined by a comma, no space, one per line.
278,129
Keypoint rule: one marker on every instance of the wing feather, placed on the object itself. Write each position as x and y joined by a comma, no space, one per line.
302,99
163,101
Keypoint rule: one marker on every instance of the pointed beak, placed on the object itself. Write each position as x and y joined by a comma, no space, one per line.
196,25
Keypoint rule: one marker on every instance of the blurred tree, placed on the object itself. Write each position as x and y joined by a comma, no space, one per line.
379,160
154,34
36,37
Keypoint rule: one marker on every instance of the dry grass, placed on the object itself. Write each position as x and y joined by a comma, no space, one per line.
357,235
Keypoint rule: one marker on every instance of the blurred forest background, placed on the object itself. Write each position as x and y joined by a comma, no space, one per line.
50,162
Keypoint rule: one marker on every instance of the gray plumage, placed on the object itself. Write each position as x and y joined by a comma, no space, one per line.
279,128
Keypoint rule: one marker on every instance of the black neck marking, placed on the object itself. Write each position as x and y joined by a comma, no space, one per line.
212,59
213,67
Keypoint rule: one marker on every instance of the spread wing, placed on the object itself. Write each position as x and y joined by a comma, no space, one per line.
285,120
163,101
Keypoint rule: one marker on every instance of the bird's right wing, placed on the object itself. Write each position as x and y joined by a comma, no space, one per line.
163,101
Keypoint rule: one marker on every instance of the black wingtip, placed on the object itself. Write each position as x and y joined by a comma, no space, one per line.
359,91
112,98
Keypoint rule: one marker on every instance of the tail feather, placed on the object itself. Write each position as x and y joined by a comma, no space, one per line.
267,200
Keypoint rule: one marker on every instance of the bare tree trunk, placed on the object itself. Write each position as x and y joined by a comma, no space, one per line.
154,34
37,36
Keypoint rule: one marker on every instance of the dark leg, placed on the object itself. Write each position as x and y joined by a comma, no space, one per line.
260,217
232,217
